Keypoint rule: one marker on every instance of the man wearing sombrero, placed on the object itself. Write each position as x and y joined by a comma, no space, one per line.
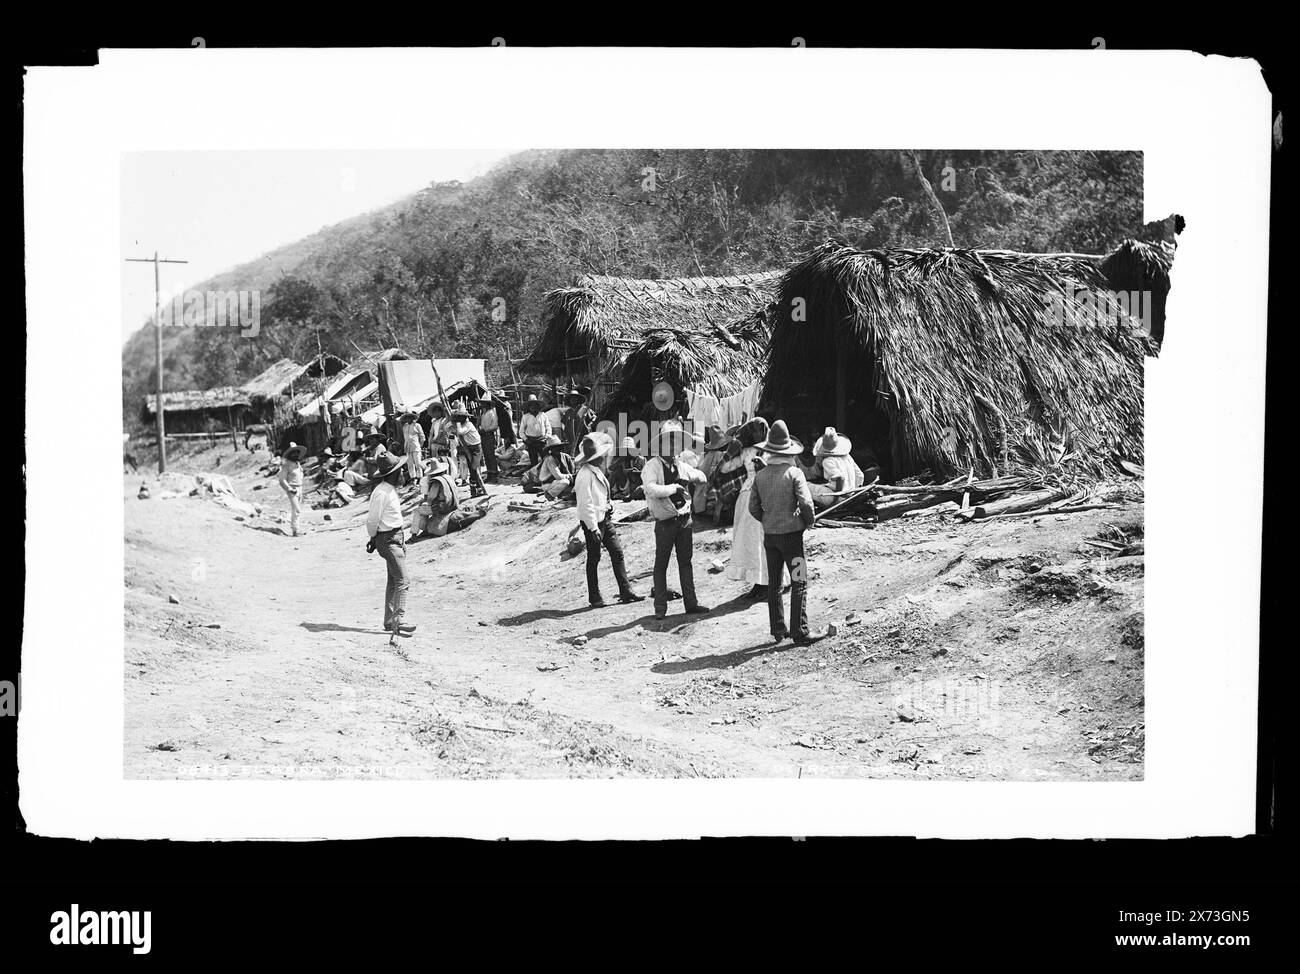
578,419
413,446
664,480
839,470
596,514
469,446
781,501
384,525
534,428
290,481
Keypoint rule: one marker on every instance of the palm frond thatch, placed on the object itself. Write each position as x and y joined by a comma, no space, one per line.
1142,267
187,400
592,325
707,363
952,360
280,377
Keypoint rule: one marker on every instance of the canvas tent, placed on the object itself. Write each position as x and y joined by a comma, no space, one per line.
589,330
412,384
945,360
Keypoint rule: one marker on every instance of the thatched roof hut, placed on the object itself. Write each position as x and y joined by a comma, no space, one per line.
709,363
951,359
590,328
196,410
1142,268
285,377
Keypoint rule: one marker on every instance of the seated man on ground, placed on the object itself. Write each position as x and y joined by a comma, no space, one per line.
554,475
839,471
439,512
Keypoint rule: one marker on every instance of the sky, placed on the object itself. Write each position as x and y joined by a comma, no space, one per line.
220,209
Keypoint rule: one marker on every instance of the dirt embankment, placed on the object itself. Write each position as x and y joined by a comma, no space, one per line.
1004,650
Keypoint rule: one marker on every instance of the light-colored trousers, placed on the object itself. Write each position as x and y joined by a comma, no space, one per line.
295,507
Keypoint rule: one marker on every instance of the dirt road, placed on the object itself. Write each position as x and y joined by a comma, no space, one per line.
1004,650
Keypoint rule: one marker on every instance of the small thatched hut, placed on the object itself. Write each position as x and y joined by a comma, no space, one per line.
1142,268
590,329
951,359
287,378
199,410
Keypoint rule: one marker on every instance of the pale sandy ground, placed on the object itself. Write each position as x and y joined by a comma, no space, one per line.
273,663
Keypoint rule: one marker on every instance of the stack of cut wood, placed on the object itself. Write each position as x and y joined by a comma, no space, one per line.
964,498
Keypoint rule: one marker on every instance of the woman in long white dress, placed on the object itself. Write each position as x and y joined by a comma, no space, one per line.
748,563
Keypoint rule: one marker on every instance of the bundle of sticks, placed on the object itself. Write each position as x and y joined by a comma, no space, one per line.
964,497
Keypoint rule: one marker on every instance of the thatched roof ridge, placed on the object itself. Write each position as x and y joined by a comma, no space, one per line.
1138,266
190,399
602,316
957,348
708,363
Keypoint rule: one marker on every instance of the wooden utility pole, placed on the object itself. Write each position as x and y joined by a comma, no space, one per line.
158,358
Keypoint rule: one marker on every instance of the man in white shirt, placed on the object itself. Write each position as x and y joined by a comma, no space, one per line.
384,525
664,481
534,428
591,486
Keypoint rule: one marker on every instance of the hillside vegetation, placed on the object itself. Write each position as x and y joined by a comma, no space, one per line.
458,270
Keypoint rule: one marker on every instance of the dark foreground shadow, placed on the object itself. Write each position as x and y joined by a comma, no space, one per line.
721,661
335,627
536,615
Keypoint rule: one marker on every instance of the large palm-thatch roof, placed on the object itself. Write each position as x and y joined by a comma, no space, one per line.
1138,267
713,364
591,326
954,359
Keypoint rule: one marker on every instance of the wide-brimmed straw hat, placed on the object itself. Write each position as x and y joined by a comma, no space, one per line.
295,452
385,465
628,445
553,442
437,465
832,444
715,439
407,417
532,401
593,446
663,396
780,441
436,405
460,412
373,437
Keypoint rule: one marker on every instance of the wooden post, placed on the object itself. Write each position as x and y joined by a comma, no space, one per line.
841,383
158,355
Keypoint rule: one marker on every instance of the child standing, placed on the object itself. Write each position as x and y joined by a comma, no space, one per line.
290,481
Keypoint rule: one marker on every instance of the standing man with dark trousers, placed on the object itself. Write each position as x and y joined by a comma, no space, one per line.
488,426
781,501
591,486
664,481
